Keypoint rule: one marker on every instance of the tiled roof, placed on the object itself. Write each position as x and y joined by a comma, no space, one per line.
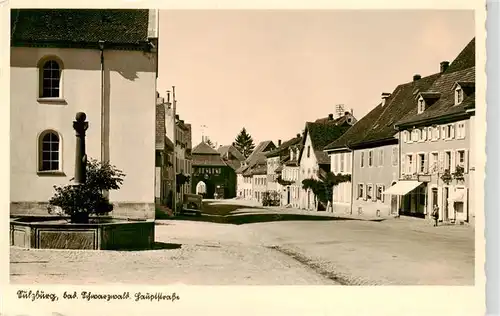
258,151
207,160
466,58
321,135
401,102
79,26
445,105
224,150
204,149
378,124
462,69
284,148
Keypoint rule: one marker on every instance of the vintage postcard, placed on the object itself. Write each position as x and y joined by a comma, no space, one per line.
295,159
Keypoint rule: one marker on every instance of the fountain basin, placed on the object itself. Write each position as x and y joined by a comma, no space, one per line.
99,234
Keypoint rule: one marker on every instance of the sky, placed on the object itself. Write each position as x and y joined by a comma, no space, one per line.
271,71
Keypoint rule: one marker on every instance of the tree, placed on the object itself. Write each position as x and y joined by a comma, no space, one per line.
244,143
79,201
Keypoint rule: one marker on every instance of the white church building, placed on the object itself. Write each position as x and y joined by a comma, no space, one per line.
97,61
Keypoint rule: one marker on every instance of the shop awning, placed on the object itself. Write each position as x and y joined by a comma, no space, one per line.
402,187
457,196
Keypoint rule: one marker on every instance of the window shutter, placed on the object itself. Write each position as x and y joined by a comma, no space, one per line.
453,161
374,193
437,132
453,126
382,195
443,132
424,134
365,189
441,162
466,161
403,161
463,130
414,165
426,162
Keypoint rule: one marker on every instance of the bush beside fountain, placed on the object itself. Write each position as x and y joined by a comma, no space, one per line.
82,210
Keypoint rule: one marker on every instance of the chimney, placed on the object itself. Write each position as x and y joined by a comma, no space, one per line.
279,142
168,96
233,144
298,135
352,112
346,113
330,117
444,65
417,77
385,95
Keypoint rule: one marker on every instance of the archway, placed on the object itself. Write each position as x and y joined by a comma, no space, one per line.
201,188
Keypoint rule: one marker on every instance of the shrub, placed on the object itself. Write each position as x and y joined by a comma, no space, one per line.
80,201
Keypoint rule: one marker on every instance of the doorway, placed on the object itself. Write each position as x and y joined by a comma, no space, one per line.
394,202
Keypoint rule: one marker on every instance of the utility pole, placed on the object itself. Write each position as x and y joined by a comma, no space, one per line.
174,162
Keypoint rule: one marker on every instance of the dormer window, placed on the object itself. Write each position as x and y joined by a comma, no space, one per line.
459,95
462,90
421,105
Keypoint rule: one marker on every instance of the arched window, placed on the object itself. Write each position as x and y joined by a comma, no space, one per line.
49,148
50,79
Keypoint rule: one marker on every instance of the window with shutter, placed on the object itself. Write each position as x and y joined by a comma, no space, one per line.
441,162
466,163
453,162
414,163
403,165
426,163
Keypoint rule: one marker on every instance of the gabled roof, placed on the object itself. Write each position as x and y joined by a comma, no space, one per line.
224,150
204,149
465,59
284,148
378,124
445,105
258,151
79,26
322,134
464,71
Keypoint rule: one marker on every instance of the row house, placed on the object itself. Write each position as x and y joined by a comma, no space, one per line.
102,62
435,145
282,178
212,175
182,157
401,149
164,172
290,176
369,153
312,159
245,181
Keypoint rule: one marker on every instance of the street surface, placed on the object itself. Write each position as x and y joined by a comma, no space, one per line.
288,252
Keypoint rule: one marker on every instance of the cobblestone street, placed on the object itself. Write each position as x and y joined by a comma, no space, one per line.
357,252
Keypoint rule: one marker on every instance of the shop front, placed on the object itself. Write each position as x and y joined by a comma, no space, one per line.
412,197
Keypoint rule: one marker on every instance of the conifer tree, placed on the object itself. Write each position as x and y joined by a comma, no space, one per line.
244,143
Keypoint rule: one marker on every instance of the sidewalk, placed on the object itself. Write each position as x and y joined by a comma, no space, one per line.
403,222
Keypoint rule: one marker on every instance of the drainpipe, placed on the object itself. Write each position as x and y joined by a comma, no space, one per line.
400,198
103,121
